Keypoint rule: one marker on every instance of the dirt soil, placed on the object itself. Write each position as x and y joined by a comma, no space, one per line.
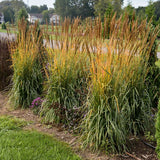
139,150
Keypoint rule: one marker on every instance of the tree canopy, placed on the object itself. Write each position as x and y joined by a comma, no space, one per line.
37,9
16,5
86,8
9,14
22,14
81,8
74,8
45,18
10,9
150,12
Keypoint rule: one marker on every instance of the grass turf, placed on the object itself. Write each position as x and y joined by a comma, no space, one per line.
17,144
158,41
3,30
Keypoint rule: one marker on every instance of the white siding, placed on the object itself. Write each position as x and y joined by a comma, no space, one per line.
55,19
2,18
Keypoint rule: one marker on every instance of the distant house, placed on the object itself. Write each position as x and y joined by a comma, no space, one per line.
1,18
32,18
54,18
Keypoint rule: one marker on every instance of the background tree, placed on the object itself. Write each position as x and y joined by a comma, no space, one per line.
22,14
16,5
34,9
140,13
150,12
75,8
101,7
45,18
81,8
62,7
9,15
109,10
43,8
129,9
51,10
108,16
87,8
157,9
12,7
117,5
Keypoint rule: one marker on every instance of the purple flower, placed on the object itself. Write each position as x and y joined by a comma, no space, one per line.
152,115
48,65
36,102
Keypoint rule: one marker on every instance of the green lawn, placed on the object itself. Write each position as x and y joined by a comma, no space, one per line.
10,28
18,144
158,41
159,48
3,30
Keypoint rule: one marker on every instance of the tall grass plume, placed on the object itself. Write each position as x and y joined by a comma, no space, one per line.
27,66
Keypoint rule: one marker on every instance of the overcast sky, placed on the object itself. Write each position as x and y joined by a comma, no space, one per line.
49,3
137,3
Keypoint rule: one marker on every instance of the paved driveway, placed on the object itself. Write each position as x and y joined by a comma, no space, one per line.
5,35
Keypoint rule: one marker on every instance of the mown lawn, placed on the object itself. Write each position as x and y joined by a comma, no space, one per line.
158,41
3,30
18,144
159,48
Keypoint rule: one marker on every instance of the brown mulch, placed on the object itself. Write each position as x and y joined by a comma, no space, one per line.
139,150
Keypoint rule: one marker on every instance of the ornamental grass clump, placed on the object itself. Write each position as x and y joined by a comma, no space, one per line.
27,66
158,131
118,104
157,125
98,85
36,105
66,73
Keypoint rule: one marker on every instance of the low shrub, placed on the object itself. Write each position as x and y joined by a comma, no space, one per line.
4,26
5,63
36,105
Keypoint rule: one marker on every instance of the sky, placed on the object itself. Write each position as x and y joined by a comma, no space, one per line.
137,3
49,3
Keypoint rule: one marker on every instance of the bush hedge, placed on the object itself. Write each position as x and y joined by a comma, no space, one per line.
4,26
5,63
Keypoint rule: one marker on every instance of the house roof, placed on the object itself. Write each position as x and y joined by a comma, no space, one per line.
51,15
36,15
40,15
